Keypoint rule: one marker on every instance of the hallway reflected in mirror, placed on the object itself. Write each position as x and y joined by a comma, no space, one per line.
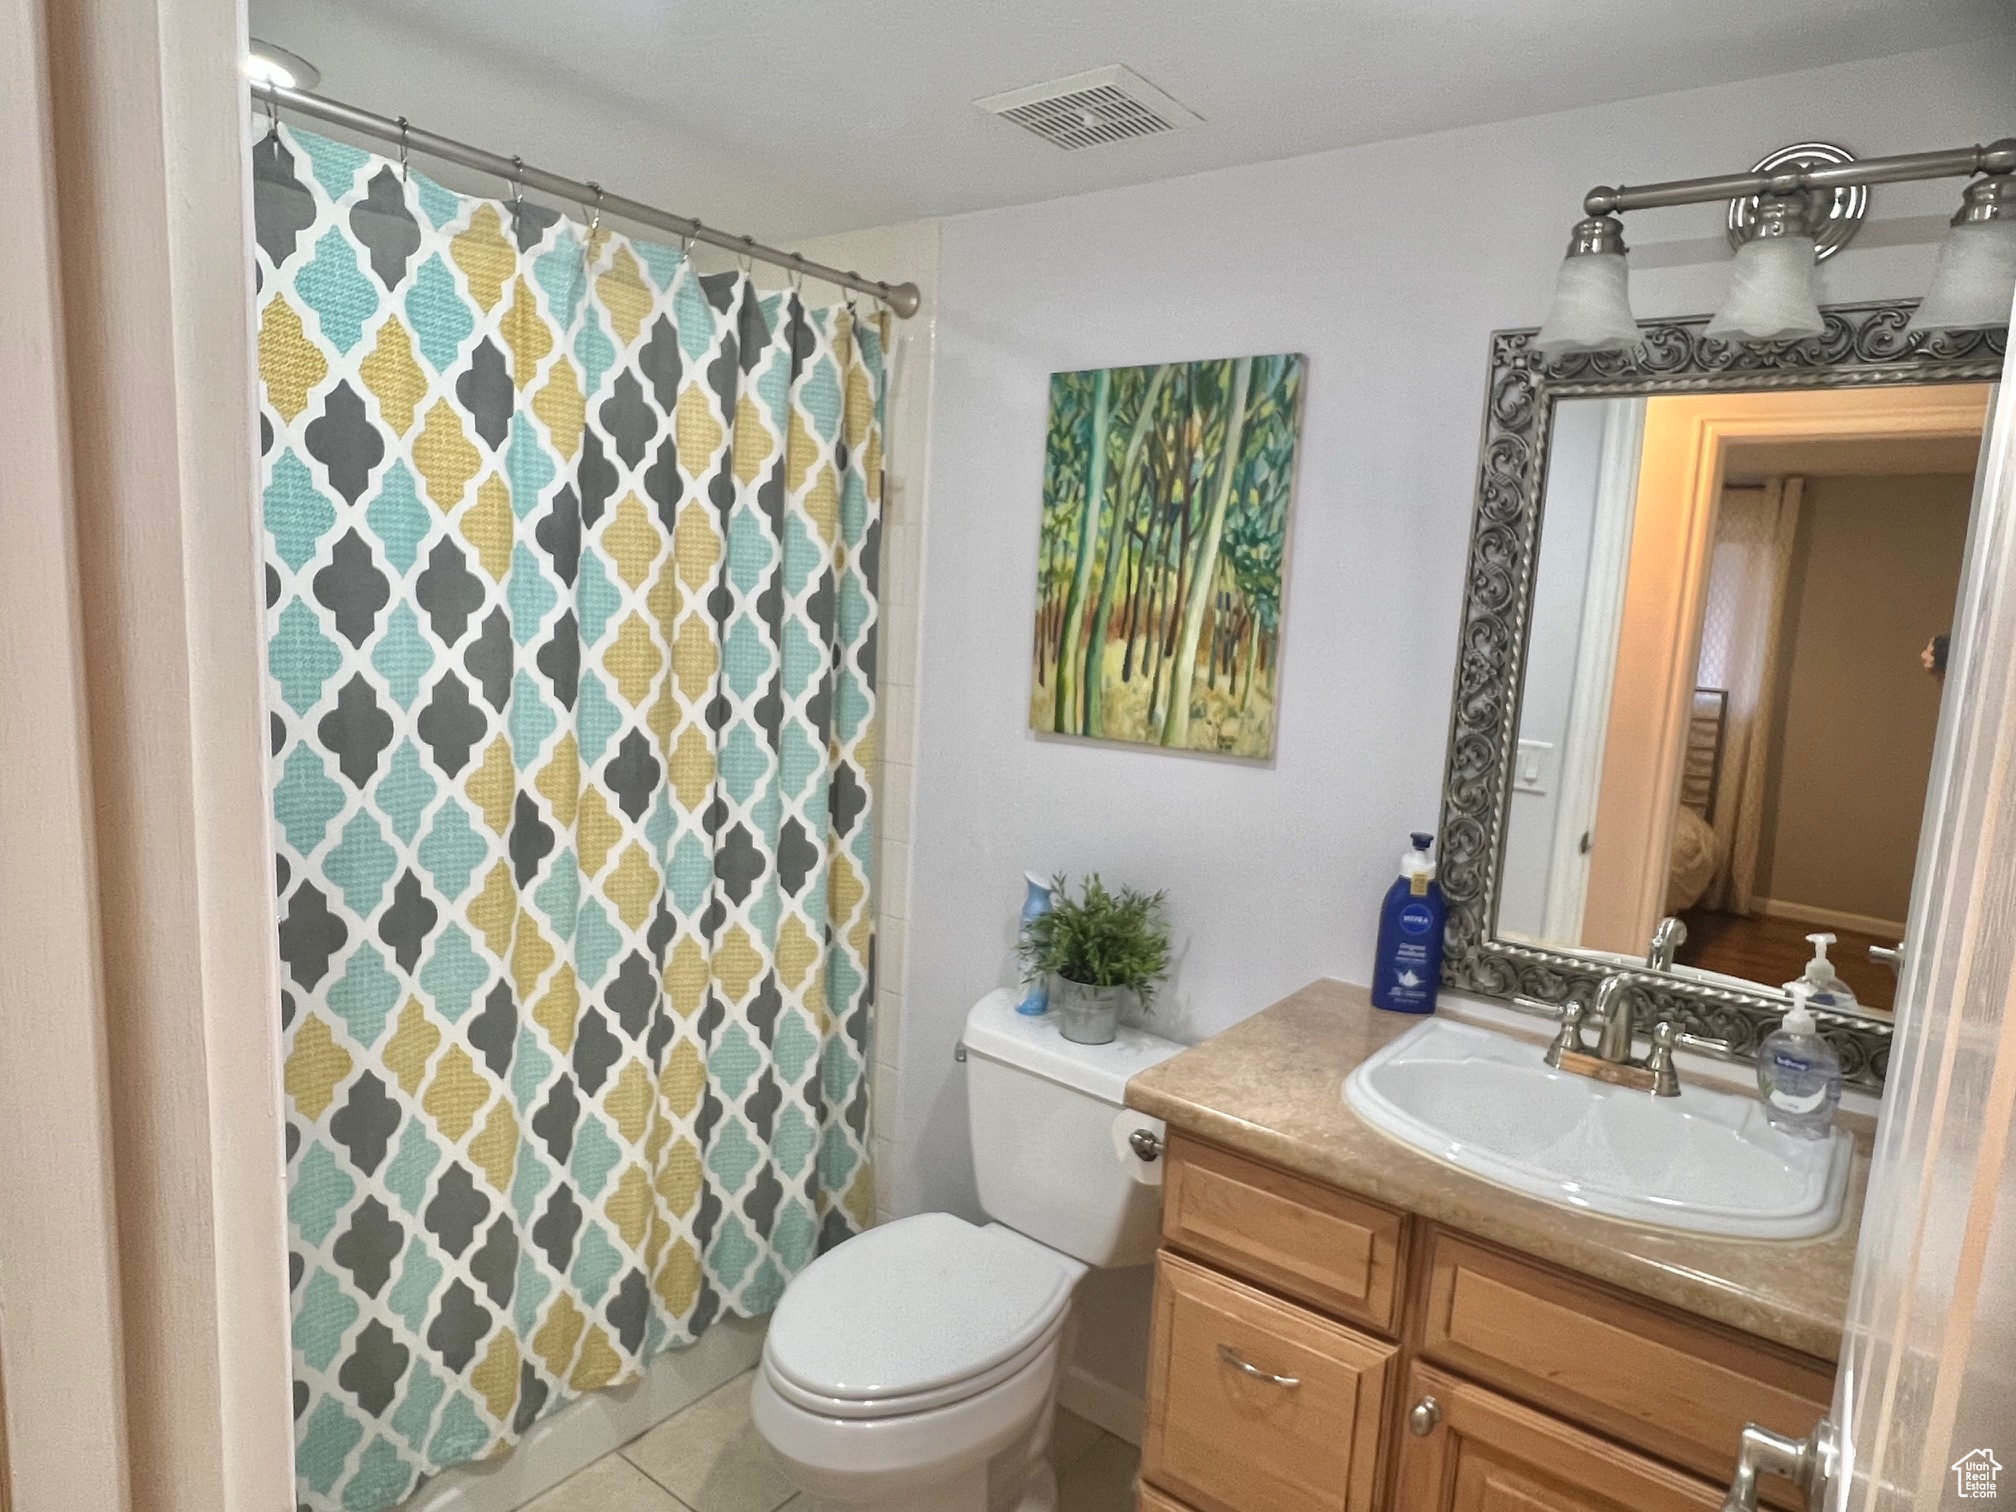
1734,676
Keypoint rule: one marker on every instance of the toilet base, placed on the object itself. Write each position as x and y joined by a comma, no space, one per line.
876,1465
1032,1488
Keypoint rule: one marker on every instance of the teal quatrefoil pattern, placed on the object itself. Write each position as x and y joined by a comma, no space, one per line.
571,626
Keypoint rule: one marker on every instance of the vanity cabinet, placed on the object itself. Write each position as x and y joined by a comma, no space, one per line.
1262,1403
1317,1352
1487,1453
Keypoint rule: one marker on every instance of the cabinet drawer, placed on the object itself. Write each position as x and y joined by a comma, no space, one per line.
1489,1454
1226,1439
1312,1243
1678,1389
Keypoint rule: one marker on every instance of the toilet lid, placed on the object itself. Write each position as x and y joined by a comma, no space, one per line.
914,1306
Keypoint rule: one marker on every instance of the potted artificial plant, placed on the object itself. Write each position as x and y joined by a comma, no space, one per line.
1097,949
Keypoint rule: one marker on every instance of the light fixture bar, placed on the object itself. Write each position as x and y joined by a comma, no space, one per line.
1997,157
902,298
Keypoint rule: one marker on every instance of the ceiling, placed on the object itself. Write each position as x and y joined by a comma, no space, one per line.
1853,457
795,117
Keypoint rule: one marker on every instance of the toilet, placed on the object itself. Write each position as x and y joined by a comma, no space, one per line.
915,1367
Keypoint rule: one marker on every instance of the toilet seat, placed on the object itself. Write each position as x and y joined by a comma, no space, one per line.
916,1315
915,1401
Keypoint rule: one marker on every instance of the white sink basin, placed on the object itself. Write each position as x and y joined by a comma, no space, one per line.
1704,1161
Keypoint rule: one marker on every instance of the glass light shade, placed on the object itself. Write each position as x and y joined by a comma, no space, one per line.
1770,293
1974,280
1592,307
264,63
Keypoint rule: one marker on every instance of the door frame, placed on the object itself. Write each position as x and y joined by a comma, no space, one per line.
144,1320
1931,1330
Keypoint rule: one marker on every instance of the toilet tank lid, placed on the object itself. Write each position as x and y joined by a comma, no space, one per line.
1033,1043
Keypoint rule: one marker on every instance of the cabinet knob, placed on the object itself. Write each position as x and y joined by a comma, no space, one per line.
1426,1413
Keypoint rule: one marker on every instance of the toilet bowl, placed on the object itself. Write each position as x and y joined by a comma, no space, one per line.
915,1367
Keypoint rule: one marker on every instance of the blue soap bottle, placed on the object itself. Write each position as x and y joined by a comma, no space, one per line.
1408,968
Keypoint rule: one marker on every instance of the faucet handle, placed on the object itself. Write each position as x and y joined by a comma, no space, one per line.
1665,1079
1666,942
1568,1038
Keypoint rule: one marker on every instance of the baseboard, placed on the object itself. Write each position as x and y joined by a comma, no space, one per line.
584,1431
1830,918
1119,1411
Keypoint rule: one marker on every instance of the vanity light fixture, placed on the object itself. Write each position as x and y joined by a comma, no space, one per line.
1592,301
1974,280
1793,208
1771,294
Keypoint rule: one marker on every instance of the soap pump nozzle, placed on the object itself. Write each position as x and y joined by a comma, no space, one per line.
1799,1017
1820,967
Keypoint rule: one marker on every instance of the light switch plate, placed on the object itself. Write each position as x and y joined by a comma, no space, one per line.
1534,767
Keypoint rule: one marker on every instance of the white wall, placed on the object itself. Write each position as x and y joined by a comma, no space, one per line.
1548,696
1388,266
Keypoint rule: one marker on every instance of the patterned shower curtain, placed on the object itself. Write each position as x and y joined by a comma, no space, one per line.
571,608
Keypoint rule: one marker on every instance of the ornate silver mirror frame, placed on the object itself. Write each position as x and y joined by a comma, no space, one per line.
1863,345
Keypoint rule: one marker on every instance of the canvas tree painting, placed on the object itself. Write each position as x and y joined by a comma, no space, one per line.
1166,493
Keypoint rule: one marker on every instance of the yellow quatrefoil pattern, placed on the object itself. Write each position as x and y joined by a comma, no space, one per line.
571,624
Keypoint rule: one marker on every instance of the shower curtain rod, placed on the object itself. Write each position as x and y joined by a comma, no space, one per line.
901,298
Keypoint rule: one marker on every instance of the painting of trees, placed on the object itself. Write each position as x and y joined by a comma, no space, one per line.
1166,496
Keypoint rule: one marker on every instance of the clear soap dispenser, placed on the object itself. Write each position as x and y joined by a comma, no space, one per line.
1829,991
1798,1072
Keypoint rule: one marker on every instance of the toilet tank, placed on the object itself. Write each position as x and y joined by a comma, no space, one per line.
1050,1146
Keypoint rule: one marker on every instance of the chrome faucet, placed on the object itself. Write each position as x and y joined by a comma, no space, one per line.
1666,942
1613,1004
1612,1060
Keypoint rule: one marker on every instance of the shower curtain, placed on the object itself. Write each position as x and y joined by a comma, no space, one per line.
1741,651
571,618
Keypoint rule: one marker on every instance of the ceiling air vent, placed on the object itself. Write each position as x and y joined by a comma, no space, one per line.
1090,109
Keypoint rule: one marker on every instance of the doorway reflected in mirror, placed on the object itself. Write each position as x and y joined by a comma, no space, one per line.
1730,700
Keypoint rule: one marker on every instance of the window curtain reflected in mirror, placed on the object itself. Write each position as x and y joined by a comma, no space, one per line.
1741,635
571,617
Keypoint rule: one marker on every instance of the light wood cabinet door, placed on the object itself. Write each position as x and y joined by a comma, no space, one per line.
1154,1501
1307,1241
1676,1388
1258,1405
1487,1453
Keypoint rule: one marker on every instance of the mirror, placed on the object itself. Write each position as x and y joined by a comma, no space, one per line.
1700,677
1730,695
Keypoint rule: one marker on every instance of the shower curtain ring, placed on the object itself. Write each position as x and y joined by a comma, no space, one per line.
748,258
686,240
595,220
517,185
405,164
272,119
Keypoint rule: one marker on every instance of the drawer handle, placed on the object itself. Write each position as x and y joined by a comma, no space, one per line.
1424,1417
1246,1367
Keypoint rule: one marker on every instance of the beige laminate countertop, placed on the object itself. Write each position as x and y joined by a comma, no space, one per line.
1273,1088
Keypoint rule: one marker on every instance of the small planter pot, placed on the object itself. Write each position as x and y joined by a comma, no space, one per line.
1087,1015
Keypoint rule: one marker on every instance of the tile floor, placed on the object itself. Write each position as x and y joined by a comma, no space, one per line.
709,1458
